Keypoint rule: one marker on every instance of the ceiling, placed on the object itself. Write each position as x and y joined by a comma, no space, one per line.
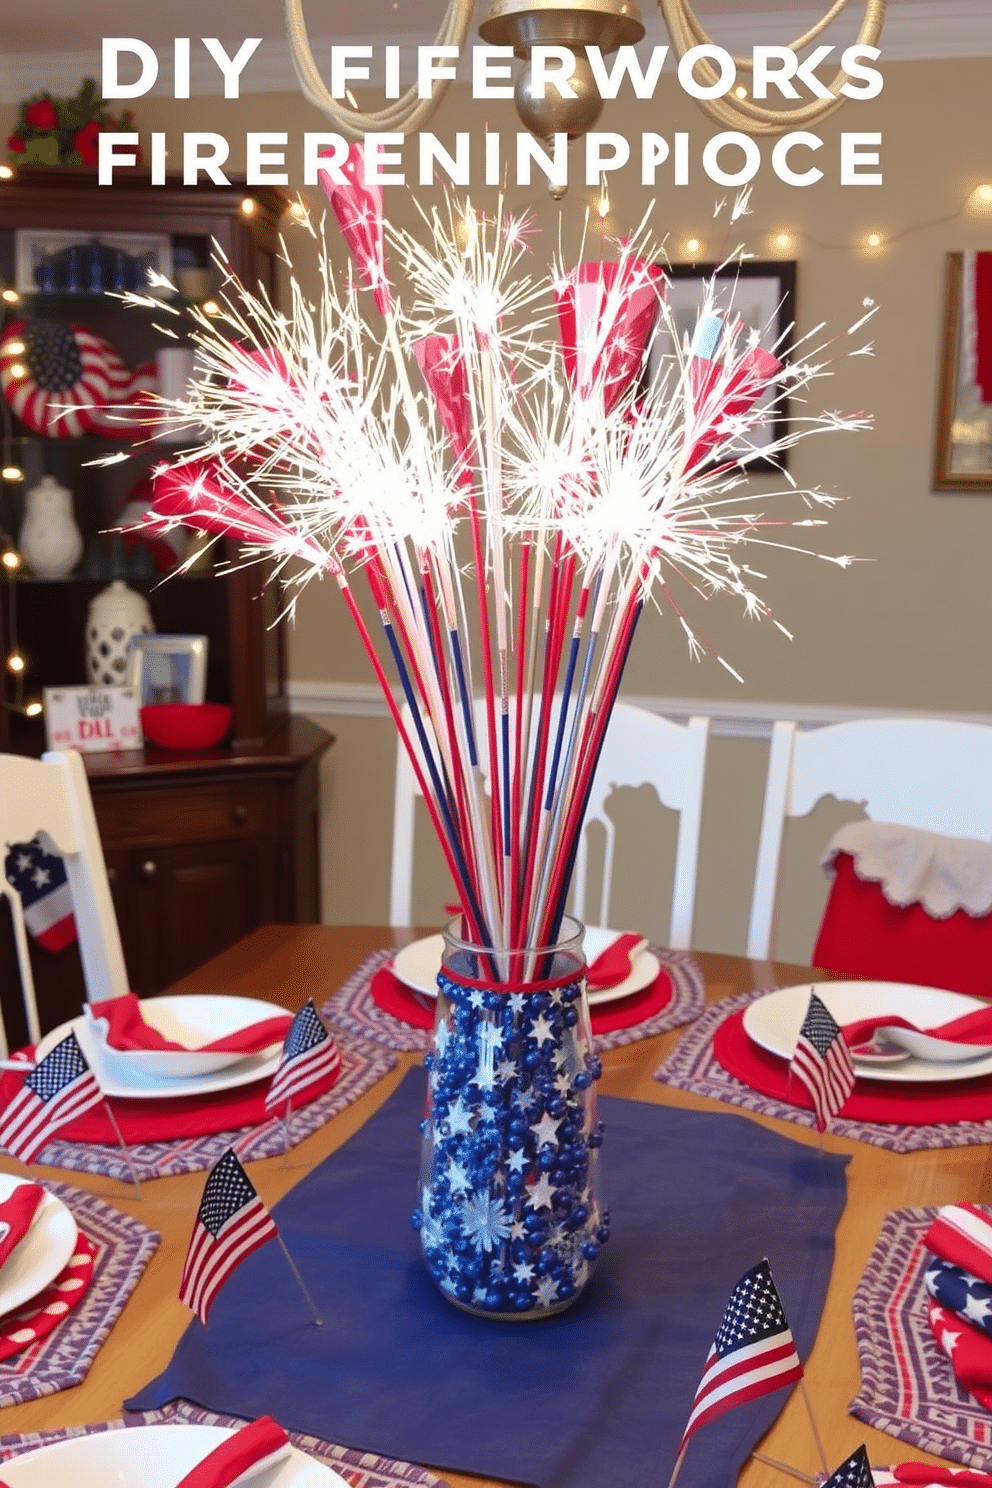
48,44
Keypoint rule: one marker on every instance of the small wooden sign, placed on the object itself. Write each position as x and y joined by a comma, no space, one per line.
92,719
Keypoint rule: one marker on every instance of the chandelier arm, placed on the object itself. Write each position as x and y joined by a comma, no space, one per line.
404,115
679,16
744,112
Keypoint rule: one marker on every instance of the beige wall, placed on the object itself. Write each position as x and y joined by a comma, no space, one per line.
906,628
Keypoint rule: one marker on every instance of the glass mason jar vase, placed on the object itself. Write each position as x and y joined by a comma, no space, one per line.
510,1215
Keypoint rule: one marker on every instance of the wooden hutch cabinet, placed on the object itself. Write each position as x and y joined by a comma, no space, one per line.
200,847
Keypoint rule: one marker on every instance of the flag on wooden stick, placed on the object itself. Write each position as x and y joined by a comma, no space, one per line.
56,1090
231,1222
822,1062
753,1352
309,1055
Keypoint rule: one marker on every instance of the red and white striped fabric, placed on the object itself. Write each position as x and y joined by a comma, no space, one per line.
962,1234
62,380
928,1475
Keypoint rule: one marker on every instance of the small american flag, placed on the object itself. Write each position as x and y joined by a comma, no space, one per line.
822,1062
308,1055
58,1088
855,1472
39,878
231,1222
753,1352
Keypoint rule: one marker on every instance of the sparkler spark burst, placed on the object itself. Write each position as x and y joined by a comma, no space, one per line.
588,465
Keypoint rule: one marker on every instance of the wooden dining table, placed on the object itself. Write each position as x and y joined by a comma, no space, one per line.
287,964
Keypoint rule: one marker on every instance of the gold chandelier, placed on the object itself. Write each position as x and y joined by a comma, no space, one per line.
574,24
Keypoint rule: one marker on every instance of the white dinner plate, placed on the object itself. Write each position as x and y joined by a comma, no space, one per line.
43,1252
418,964
117,1078
149,1457
192,1020
774,1021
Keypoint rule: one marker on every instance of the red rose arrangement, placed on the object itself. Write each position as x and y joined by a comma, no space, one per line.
63,131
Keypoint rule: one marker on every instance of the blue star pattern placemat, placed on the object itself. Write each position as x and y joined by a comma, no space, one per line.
598,1394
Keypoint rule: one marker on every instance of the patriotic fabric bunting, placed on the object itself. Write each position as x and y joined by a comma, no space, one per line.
854,1472
231,1222
822,1062
753,1352
962,1234
309,1054
59,1088
63,381
40,880
967,1296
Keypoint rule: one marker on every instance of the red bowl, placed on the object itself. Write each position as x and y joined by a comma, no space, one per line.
186,725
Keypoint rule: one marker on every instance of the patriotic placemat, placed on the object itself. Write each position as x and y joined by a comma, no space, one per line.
693,1066
352,1006
362,1066
908,1387
124,1247
359,1469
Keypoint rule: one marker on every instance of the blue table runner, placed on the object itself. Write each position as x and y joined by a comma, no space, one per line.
596,1397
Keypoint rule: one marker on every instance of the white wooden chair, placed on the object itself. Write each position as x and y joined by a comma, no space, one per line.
640,748
929,773
50,799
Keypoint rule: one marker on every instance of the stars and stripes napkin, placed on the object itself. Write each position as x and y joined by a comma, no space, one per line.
39,878
967,1296
959,1300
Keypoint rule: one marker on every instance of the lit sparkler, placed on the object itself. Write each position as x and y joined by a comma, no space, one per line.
511,521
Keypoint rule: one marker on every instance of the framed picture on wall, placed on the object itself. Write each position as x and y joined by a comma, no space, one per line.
962,457
763,296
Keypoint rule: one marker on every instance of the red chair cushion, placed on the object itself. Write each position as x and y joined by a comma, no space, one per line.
866,936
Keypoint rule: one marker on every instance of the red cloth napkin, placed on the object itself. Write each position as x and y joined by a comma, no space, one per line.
258,1445
389,993
928,1475
172,1119
969,1350
863,935
962,1234
127,1029
613,965
909,1104
971,1028
17,1215
37,1318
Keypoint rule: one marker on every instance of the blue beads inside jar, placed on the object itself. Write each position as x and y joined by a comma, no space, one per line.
510,1217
